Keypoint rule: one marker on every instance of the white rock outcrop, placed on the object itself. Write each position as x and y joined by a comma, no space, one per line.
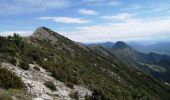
34,80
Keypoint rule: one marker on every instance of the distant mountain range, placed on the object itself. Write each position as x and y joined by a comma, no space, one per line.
160,47
105,44
155,64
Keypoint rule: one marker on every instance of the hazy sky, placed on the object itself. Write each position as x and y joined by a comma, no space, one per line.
89,20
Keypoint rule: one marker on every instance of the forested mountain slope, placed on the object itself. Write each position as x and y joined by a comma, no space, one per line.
106,76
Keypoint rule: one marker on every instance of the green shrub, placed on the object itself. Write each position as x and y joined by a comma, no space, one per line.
10,80
74,95
11,50
50,85
17,39
59,74
70,85
88,97
97,95
37,68
13,61
34,53
24,66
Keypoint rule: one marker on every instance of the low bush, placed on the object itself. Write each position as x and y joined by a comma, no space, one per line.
13,61
24,66
88,97
70,85
74,95
9,80
50,85
96,95
37,68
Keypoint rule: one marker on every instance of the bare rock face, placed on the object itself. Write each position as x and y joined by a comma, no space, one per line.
44,33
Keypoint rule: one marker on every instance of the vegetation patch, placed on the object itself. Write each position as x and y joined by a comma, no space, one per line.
24,66
50,85
5,96
70,85
74,95
13,61
37,68
9,80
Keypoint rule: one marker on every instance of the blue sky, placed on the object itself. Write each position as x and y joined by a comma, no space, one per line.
89,20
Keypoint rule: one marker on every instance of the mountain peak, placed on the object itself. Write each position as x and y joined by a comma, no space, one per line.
41,28
43,33
121,45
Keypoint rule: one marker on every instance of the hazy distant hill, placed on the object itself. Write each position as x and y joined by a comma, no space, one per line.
155,64
105,44
161,47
